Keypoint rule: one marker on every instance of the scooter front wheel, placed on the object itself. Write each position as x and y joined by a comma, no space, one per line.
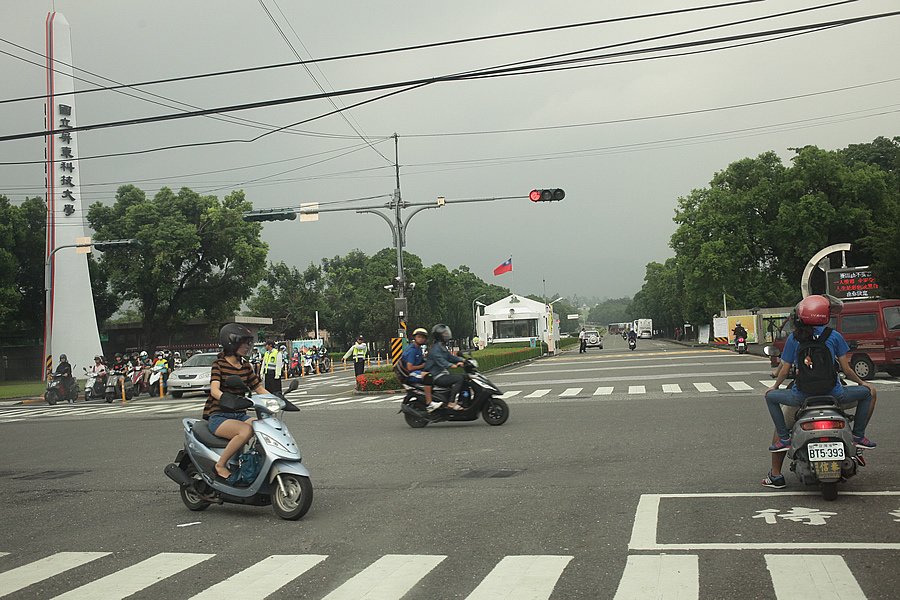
291,496
495,412
189,495
52,397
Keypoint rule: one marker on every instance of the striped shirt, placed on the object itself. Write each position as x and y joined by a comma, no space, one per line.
221,370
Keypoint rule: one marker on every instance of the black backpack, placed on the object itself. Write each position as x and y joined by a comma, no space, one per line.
815,365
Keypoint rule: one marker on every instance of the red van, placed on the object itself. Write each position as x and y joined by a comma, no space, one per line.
872,329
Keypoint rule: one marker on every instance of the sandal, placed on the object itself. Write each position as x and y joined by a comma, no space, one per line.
455,407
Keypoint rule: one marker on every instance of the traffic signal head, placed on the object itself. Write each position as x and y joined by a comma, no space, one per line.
270,214
548,195
103,246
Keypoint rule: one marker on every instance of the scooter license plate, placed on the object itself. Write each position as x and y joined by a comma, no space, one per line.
823,451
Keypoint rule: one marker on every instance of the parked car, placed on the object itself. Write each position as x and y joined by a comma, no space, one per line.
192,375
593,340
872,329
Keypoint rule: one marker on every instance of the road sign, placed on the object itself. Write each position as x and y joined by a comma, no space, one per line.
573,317
396,349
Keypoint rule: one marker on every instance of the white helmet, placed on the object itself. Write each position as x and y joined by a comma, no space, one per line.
143,354
177,354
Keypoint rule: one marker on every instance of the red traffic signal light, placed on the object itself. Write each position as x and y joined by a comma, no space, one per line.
548,195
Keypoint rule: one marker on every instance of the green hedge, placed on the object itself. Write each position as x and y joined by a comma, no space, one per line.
568,342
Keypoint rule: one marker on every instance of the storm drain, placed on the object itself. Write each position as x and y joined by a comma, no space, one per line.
50,475
491,473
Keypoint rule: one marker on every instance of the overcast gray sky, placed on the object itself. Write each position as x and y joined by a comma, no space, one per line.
620,197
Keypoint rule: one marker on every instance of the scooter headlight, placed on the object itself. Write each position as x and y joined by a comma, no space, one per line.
274,404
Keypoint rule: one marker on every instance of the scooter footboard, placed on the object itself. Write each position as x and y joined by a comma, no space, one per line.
292,467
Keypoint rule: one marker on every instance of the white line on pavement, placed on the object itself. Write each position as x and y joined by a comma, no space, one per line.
637,389
350,401
671,388
570,392
626,378
603,391
768,383
45,568
521,577
326,401
663,576
739,386
136,577
389,577
262,579
812,577
510,394
538,394
705,387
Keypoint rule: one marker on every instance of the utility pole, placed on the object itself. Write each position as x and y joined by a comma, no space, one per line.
401,305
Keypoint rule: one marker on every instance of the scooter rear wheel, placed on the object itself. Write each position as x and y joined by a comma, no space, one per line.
296,499
189,495
829,491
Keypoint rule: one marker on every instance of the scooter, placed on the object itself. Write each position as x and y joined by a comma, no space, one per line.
822,450
57,390
324,364
136,374
740,344
93,387
114,383
270,470
479,397
632,343
156,379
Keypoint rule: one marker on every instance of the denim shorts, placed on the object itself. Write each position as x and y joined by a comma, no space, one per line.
218,418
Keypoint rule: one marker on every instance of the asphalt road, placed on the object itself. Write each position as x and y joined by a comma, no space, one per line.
579,495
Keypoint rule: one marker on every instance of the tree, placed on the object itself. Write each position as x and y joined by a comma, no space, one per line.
291,298
611,310
197,256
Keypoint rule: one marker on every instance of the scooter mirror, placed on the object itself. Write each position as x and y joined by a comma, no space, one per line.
771,351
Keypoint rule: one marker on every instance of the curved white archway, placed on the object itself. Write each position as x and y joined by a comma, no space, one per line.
814,262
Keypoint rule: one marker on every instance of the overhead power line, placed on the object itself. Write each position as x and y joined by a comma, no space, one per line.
401,48
409,84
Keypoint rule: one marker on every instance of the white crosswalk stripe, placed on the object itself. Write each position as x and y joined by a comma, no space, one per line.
521,577
511,394
350,401
671,388
637,389
739,386
768,383
812,577
386,399
705,387
389,577
45,568
135,578
538,393
663,576
262,579
320,401
570,392
603,391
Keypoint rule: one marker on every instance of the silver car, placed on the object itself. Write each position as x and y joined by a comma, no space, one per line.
193,375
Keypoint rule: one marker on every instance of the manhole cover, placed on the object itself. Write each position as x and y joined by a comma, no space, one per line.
50,475
491,473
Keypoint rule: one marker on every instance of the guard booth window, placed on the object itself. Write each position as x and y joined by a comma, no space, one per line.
515,328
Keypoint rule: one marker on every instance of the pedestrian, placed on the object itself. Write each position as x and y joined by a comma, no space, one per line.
271,366
582,341
359,351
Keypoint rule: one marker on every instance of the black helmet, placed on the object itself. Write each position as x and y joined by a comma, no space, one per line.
232,336
62,357
441,333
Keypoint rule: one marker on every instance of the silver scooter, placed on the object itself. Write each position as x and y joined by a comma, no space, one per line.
268,471
822,450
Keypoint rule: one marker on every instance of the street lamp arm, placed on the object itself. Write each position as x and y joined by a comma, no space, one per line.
415,212
386,218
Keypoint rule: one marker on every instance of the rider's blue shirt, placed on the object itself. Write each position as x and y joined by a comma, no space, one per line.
413,355
836,344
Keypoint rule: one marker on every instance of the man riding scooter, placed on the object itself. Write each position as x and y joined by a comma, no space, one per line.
439,362
64,372
810,319
739,334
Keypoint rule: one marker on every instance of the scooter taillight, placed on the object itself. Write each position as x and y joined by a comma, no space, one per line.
816,425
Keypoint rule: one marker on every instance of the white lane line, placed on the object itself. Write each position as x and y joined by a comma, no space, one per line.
521,578
812,577
768,383
390,577
510,394
181,408
739,386
538,394
671,388
603,391
10,420
570,392
350,401
45,568
663,577
705,387
262,579
344,384
305,402
386,398
135,578
637,389
327,401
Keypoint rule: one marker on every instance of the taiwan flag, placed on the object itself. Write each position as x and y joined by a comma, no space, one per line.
505,267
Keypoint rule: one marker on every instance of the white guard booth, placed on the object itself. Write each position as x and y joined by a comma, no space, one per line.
518,319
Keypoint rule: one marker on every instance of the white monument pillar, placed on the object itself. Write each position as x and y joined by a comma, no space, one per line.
70,325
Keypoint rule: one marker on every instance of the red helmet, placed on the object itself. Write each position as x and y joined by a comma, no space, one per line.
817,310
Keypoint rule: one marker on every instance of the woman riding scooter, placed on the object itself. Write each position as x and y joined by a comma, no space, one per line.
235,426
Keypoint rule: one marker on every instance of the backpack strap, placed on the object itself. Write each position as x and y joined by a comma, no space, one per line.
825,333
